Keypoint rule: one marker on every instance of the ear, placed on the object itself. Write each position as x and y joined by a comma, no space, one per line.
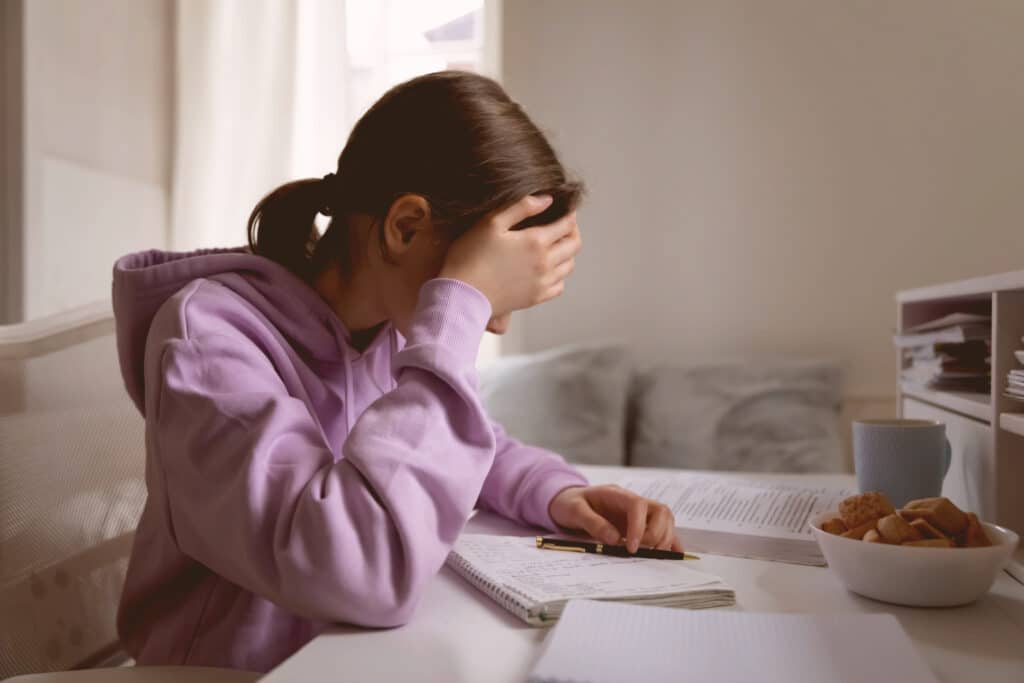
407,224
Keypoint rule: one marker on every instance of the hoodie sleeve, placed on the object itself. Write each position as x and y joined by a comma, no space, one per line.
256,496
524,479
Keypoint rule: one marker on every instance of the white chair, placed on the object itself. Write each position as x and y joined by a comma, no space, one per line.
72,487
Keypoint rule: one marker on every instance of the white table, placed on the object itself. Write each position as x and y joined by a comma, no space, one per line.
458,634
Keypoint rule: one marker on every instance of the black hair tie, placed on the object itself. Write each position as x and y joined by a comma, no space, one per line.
327,193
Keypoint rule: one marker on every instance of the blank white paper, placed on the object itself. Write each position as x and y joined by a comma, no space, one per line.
600,642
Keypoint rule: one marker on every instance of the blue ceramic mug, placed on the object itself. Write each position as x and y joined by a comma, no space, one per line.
904,459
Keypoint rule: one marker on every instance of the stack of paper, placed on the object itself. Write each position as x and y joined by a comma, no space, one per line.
1015,378
949,353
744,518
535,584
607,643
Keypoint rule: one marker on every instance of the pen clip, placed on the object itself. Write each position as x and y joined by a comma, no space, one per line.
548,545
570,548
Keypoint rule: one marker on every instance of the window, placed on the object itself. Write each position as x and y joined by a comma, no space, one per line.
390,41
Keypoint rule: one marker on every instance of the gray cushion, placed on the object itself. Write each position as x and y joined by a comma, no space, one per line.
571,400
752,416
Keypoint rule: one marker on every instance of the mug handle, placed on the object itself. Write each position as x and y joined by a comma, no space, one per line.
949,459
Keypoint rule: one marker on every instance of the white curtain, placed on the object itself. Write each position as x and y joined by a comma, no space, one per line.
260,100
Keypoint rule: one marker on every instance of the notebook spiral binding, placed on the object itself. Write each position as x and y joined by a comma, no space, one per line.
509,598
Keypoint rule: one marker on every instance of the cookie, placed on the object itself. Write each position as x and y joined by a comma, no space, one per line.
872,536
926,529
859,531
940,513
931,543
927,523
865,507
894,529
834,525
975,536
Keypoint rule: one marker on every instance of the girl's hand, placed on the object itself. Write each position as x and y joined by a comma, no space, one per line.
515,269
611,513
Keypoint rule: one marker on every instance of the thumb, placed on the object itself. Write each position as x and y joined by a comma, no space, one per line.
597,526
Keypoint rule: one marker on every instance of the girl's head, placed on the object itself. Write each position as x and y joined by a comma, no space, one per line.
428,160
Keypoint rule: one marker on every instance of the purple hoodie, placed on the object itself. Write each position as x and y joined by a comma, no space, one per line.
293,481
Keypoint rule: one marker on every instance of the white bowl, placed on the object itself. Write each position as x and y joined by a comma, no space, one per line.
916,576
1019,355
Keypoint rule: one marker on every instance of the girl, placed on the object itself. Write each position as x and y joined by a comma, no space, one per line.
314,437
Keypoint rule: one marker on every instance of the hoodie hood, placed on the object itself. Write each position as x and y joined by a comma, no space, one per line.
145,280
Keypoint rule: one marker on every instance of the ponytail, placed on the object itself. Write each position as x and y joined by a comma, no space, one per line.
282,226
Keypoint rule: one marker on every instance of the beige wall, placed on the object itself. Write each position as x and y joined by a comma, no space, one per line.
765,175
98,105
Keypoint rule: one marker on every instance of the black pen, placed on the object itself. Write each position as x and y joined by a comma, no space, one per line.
605,549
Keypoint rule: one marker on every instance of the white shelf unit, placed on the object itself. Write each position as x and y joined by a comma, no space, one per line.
1012,422
986,431
965,403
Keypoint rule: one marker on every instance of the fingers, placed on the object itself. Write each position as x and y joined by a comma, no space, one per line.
552,292
566,248
562,254
530,205
561,272
667,539
677,545
552,232
659,527
614,511
597,526
661,531
636,522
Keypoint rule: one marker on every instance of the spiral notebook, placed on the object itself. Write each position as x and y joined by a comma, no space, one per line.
536,584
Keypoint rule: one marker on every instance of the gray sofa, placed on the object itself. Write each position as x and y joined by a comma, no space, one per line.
595,405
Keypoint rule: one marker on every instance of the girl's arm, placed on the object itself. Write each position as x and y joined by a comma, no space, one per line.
524,479
254,492
537,487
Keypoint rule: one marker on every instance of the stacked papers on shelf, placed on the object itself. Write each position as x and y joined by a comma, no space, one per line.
952,353
1015,378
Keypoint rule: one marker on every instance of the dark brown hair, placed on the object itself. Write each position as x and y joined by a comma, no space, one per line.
453,137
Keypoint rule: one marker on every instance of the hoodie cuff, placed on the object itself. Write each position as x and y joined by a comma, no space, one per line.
451,314
541,495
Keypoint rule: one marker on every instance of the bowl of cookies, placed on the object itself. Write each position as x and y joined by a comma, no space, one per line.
929,553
